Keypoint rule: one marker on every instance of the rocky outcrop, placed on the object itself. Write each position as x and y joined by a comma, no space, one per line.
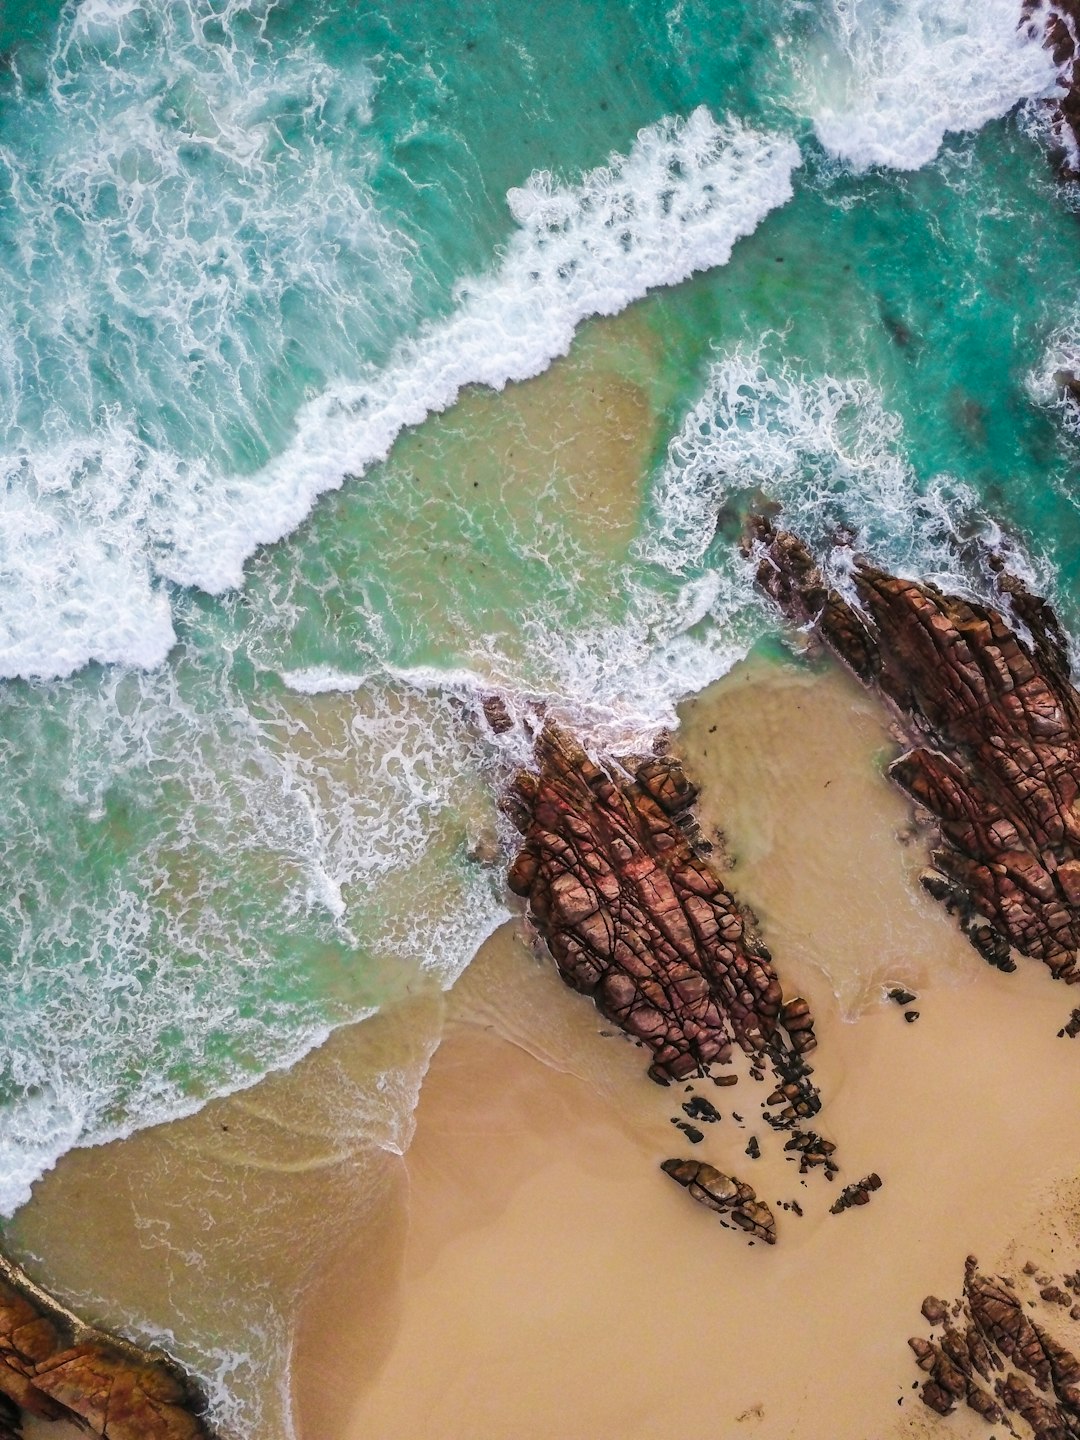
1057,26
984,699
54,1367
990,1330
857,1194
731,1199
620,888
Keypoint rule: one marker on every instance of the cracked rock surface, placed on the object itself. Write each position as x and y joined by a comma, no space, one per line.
56,1369
731,1198
992,722
635,916
991,1336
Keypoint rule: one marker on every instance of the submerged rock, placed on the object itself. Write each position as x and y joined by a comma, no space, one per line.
993,725
730,1198
636,917
54,1367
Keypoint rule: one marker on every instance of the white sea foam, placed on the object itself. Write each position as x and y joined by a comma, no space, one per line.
678,202
214,950
164,256
189,214
897,76
826,449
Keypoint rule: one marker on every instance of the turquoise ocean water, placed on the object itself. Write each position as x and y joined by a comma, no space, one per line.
257,557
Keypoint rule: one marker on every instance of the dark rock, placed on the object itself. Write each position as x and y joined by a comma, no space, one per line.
935,1310
699,1108
911,1016
1054,1295
812,1151
692,1133
637,919
902,997
497,714
857,1194
54,1367
753,1149
730,1198
1057,25
994,728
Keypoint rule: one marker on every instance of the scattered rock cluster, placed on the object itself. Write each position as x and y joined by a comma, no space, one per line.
857,1194
731,1199
796,1095
55,1368
635,916
813,1151
988,1331
993,725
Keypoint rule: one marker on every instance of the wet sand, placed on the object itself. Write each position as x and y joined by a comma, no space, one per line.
554,1282
206,1230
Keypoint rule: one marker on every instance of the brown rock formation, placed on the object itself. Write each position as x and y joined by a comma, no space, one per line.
730,1198
1057,25
54,1367
636,918
999,1330
857,1194
993,724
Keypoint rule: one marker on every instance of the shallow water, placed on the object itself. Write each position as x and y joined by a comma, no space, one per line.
276,508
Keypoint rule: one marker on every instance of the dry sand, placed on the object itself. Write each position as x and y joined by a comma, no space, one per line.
553,1282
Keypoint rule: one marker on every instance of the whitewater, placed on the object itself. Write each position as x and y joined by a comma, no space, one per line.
293,307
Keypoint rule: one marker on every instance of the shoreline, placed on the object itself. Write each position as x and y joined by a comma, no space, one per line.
545,1254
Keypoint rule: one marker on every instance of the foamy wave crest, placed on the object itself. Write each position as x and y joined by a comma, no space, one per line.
677,203
77,583
1047,382
830,454
201,889
902,74
188,239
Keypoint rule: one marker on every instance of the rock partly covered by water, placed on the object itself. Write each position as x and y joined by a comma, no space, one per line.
1057,25
55,1368
634,915
990,1329
993,724
731,1199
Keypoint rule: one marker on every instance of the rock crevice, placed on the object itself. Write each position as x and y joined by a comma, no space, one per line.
620,888
992,721
54,1367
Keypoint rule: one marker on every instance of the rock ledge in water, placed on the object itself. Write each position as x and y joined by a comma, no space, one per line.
54,1367
993,725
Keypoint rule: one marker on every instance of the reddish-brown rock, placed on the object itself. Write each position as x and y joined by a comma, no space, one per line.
635,916
993,724
1057,25
1000,1327
731,1198
54,1367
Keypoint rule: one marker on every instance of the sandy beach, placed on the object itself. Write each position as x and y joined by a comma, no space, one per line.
553,1281
522,1266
